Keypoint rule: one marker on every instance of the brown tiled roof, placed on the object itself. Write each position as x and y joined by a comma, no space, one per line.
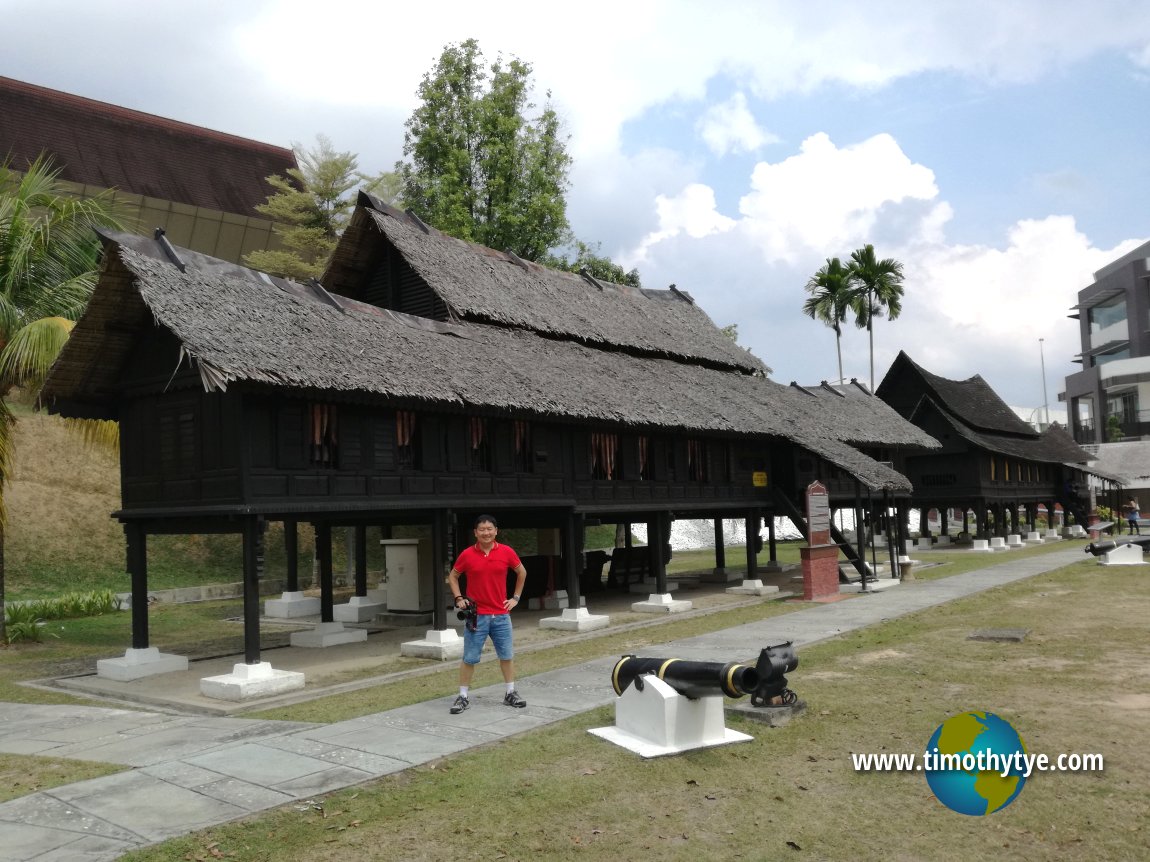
95,143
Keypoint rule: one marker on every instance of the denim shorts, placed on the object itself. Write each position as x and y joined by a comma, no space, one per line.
495,626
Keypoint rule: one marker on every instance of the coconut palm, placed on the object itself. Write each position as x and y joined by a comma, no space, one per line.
877,287
831,292
48,259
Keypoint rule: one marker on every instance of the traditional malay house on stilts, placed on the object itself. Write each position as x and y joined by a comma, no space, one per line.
992,464
424,381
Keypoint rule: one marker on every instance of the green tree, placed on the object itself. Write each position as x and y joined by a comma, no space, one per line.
831,291
587,258
310,207
48,260
877,291
477,167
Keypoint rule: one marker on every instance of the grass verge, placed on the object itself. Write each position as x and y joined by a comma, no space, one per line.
1077,683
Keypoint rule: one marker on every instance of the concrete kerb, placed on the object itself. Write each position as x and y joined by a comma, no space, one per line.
195,772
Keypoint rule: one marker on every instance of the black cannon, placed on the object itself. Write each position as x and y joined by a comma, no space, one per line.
773,665
1100,548
693,679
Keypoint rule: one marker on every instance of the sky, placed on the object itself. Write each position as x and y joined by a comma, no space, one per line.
997,148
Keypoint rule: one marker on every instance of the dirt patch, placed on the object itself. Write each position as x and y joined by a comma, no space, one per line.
880,655
1132,701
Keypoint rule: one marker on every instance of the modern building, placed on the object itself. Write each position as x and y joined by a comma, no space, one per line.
1109,399
201,186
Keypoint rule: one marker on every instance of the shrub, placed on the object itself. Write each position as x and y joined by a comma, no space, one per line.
23,621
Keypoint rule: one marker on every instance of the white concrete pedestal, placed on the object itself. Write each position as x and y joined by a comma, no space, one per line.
997,543
575,620
661,604
944,539
925,543
658,721
981,545
327,634
247,681
359,609
1052,536
1033,538
557,601
752,588
139,663
1014,540
1123,555
292,604
441,645
721,575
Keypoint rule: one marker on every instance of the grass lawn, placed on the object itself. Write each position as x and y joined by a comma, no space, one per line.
1078,683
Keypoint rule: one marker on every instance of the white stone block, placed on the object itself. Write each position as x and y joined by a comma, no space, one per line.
1014,540
327,634
1123,555
925,543
248,681
436,644
944,539
575,620
139,663
661,604
658,721
359,609
1052,535
292,604
981,545
557,601
997,543
1033,538
753,587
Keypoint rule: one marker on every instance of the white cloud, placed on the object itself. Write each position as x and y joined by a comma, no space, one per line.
828,199
730,127
692,213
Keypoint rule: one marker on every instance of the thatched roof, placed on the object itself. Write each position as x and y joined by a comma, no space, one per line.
482,285
864,419
1128,462
98,144
239,326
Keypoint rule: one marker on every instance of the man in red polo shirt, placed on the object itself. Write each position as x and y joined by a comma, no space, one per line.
486,564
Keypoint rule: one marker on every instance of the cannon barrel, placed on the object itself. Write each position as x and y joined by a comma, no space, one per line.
1100,548
693,679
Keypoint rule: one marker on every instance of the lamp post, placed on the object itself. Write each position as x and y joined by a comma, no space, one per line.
1045,402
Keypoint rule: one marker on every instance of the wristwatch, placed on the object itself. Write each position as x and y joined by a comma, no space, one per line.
516,599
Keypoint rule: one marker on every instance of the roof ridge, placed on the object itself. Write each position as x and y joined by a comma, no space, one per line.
120,112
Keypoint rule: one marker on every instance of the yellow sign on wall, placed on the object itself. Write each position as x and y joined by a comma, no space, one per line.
759,479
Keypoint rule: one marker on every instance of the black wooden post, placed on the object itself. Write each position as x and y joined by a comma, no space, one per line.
860,537
751,529
439,557
253,538
361,560
720,550
965,518
891,536
628,539
573,524
944,521
772,541
137,560
291,551
655,564
326,585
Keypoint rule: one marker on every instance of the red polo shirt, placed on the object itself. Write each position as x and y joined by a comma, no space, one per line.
487,575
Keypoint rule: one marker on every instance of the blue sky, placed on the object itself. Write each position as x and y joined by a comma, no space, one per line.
999,149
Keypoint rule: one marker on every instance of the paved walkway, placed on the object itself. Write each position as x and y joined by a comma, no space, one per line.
191,772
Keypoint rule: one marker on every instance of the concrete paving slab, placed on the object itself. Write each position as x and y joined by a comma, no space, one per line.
196,769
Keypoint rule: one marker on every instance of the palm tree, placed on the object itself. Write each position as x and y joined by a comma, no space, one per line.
48,260
877,290
831,290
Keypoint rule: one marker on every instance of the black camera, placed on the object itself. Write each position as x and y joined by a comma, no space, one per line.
468,612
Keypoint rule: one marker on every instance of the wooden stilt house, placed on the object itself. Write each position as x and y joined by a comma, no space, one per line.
424,381
992,463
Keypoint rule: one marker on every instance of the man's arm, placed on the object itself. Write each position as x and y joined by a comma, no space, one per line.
520,580
453,585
